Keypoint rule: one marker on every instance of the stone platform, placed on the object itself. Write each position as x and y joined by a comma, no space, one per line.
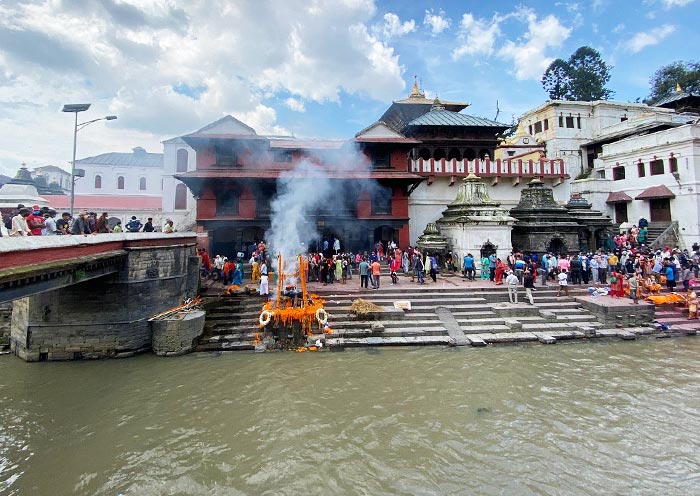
450,312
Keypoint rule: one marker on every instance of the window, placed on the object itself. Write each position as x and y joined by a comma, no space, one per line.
529,129
623,119
656,167
142,184
673,164
618,173
561,121
570,122
182,158
226,154
578,122
381,201
98,182
640,169
227,202
120,182
546,124
180,197
538,127
381,160
282,156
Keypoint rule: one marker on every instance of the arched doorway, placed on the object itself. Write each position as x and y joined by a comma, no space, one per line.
487,249
556,246
385,234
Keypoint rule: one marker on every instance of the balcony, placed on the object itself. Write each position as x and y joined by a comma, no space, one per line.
496,170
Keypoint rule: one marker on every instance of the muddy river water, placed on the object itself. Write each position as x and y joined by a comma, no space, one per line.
567,419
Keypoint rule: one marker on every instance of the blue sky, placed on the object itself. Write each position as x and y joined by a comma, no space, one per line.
312,68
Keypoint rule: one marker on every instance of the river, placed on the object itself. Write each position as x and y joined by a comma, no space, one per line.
568,419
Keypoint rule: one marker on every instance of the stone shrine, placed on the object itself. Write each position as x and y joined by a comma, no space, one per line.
542,224
474,223
594,226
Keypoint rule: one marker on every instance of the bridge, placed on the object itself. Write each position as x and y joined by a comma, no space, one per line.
91,296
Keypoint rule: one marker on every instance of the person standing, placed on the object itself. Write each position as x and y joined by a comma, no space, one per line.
512,285
101,225
633,284
563,282
50,228
671,277
364,273
394,267
35,221
63,224
468,264
264,289
134,225
19,223
529,285
376,270
433,268
148,226
80,224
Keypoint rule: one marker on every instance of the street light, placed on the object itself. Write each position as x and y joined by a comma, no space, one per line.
76,108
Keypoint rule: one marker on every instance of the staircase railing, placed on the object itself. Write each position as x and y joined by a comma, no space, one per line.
671,236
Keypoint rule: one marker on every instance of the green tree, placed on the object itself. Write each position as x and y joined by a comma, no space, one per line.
663,82
556,80
583,77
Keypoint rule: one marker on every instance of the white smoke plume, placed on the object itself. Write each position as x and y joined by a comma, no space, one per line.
300,193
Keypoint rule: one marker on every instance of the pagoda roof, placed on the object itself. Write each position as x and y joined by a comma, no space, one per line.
655,192
449,118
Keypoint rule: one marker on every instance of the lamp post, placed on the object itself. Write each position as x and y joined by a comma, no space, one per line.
76,108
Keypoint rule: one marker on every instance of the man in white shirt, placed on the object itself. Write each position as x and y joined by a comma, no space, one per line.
512,285
563,282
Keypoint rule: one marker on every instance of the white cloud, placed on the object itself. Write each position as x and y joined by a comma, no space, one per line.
528,54
477,36
167,67
393,27
653,37
619,28
676,3
437,22
295,104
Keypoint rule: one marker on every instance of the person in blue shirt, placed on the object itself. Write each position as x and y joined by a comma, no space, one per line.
671,277
468,267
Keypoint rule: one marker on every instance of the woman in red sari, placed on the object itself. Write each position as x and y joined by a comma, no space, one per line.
616,287
500,269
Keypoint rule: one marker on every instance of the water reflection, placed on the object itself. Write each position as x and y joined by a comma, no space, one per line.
599,418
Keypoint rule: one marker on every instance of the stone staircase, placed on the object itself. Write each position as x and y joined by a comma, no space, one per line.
438,315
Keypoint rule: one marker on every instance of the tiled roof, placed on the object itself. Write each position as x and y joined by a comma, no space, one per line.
448,118
655,192
53,168
136,159
618,197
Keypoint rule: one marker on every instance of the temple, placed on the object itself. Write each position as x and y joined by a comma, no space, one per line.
393,178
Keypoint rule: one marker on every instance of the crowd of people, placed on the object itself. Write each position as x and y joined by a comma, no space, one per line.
44,221
629,266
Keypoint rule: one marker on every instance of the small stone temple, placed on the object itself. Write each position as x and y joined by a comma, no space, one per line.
594,226
542,224
432,242
474,223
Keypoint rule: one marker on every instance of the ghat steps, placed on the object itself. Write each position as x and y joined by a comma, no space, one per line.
473,316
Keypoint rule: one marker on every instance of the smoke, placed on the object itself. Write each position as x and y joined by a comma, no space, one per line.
304,191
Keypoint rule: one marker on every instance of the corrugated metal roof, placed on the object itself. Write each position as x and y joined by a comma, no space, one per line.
448,118
679,95
136,159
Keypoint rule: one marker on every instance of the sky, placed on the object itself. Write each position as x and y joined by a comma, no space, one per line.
308,68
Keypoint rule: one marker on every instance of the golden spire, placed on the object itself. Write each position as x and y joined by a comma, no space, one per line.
678,88
415,92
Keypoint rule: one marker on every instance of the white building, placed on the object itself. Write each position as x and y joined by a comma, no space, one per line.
178,202
629,160
54,174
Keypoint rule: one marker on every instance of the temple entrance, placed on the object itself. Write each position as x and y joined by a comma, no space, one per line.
385,234
556,246
660,210
487,249
621,212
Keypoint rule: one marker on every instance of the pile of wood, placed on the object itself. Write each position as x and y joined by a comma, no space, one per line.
363,307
